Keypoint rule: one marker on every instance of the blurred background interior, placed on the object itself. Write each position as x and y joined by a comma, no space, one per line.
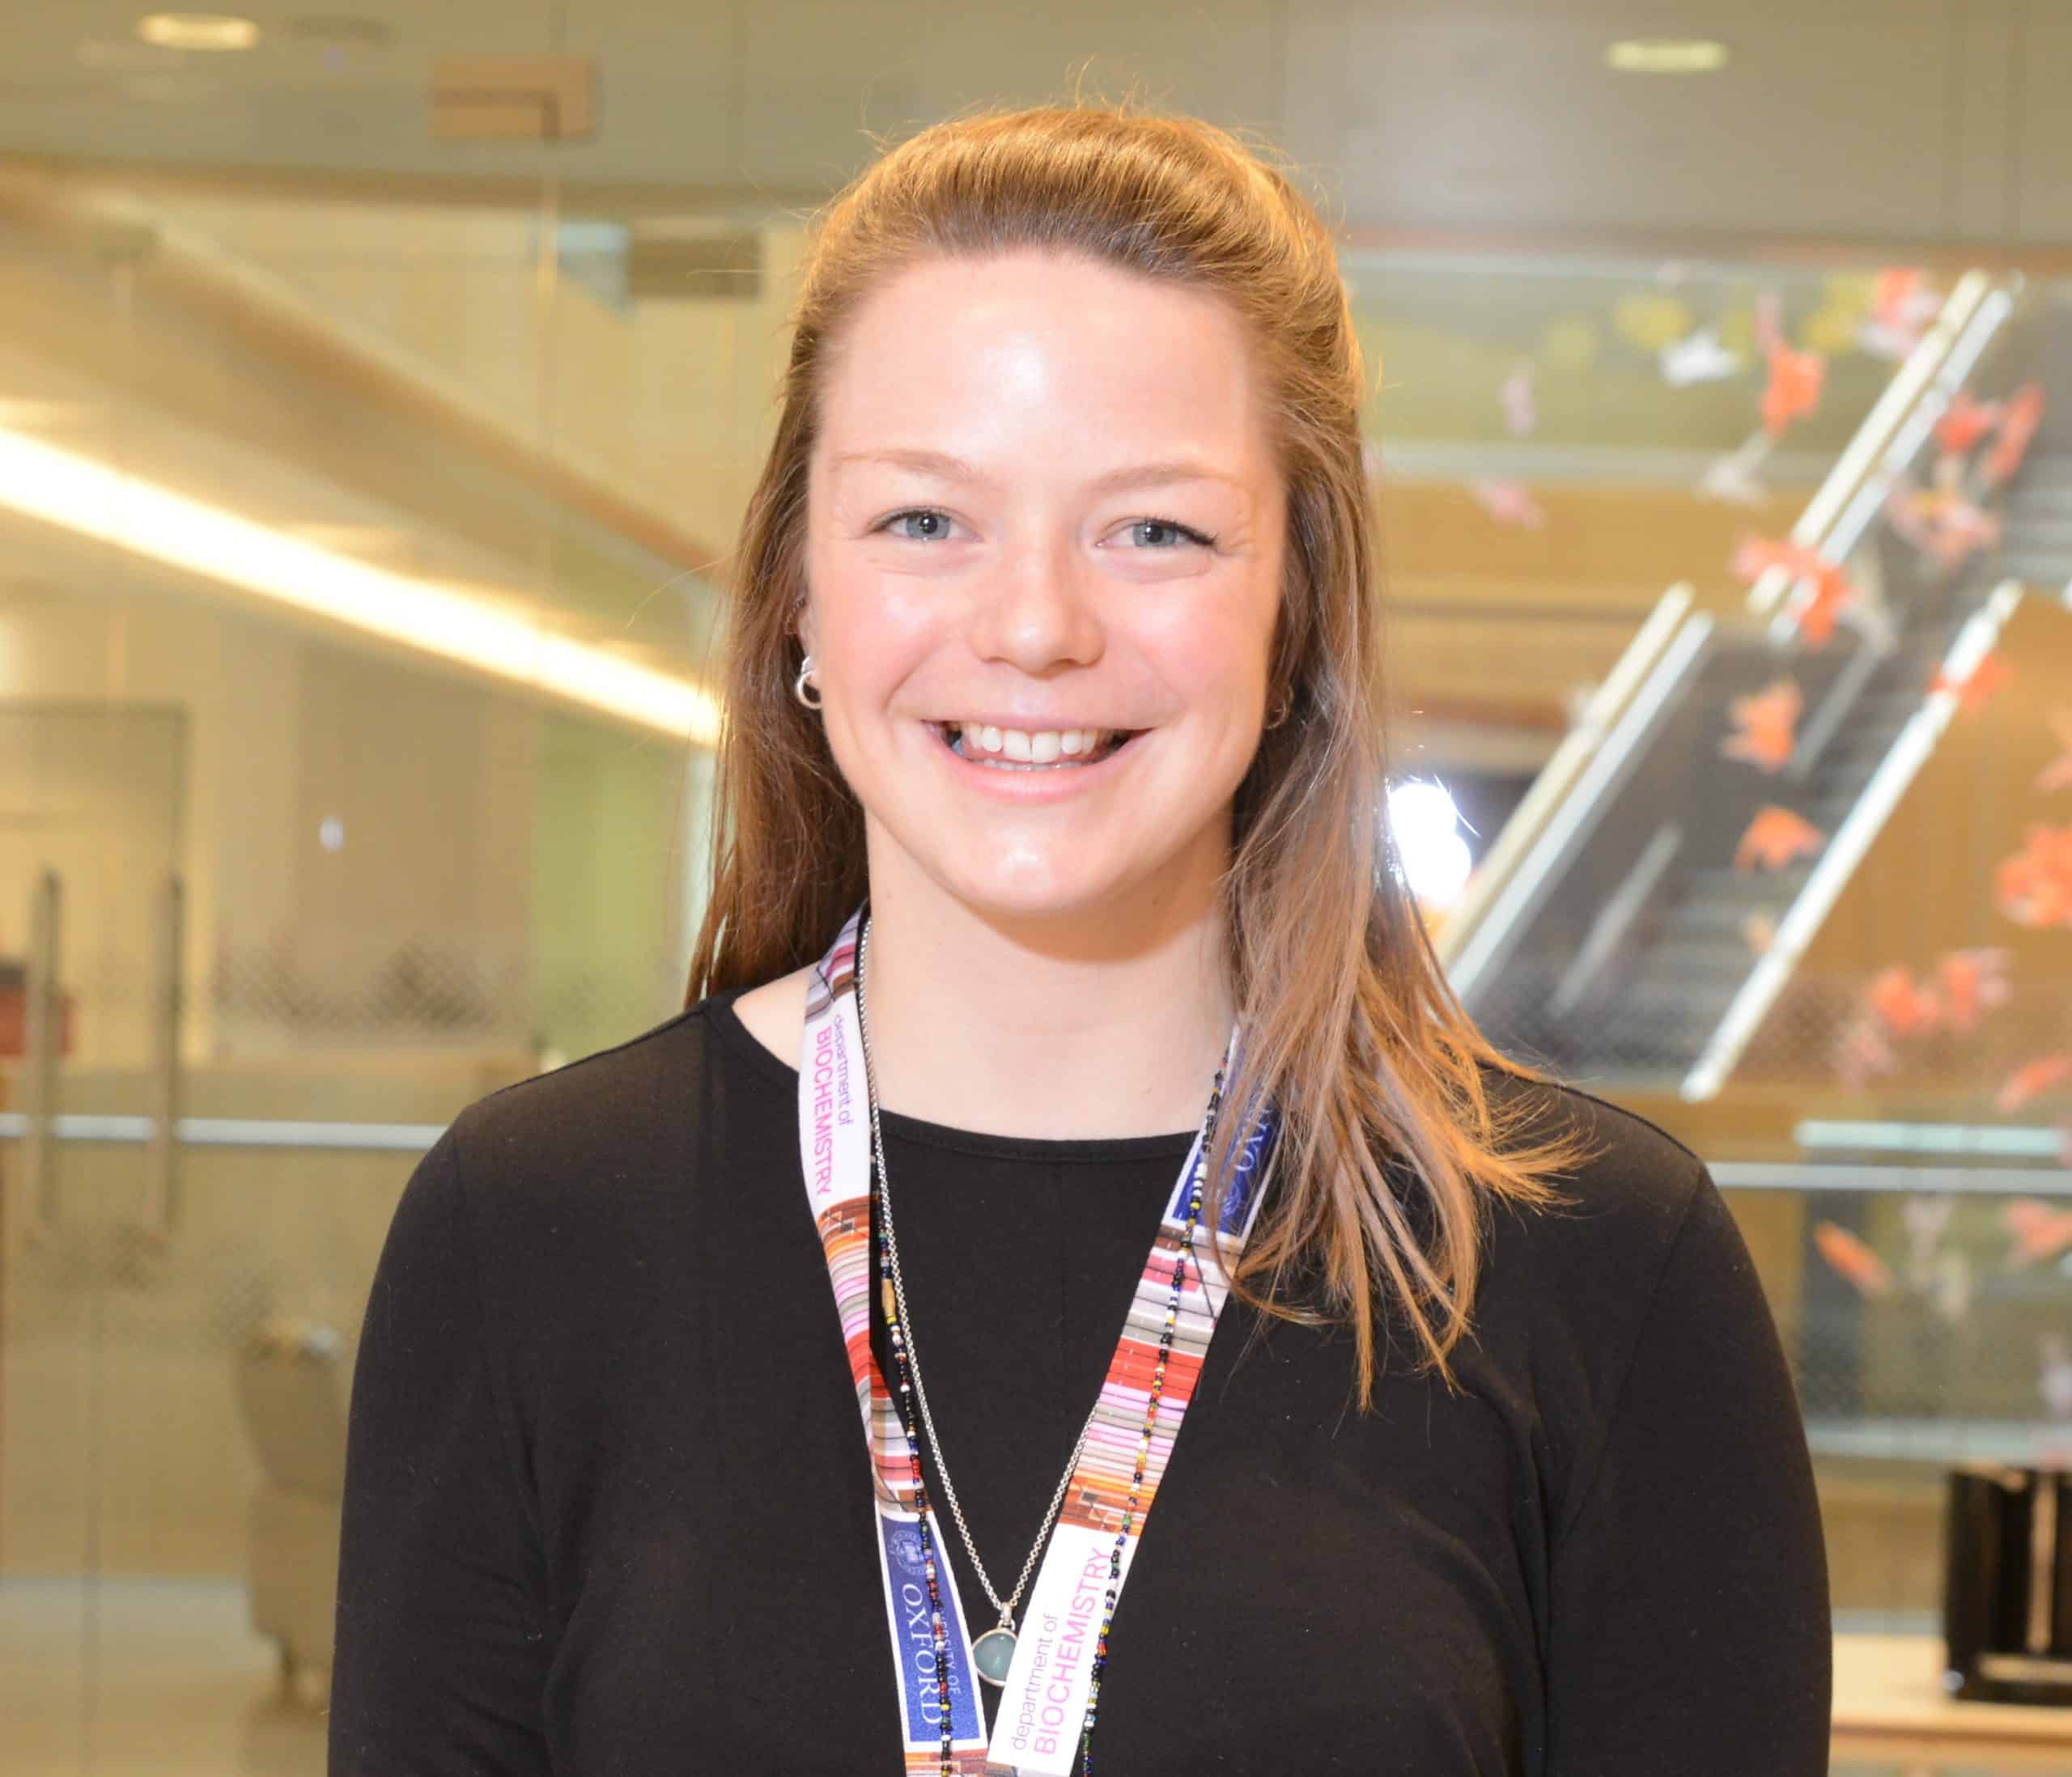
380,387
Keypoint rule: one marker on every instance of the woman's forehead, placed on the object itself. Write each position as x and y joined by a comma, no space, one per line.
978,359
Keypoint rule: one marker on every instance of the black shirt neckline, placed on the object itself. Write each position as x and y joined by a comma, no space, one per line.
1068,1150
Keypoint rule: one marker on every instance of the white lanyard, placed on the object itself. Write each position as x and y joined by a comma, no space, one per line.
1036,1731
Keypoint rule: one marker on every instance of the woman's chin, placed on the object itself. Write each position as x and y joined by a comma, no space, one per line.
1034,887
1068,895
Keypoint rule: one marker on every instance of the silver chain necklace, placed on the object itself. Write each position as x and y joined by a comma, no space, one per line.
993,1652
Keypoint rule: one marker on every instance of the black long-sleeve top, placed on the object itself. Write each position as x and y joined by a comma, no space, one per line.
607,1510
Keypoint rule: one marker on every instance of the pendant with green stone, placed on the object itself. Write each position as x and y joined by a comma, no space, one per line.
993,1652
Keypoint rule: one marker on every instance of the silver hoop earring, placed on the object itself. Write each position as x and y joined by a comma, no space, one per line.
1279,713
799,686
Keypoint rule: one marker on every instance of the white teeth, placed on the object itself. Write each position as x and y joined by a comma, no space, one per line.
1022,746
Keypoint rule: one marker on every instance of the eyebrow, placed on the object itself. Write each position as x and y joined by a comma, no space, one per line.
955,468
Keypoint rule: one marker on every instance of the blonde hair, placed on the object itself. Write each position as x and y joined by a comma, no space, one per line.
1353,1030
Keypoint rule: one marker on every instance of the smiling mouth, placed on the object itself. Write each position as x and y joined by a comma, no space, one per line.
1011,750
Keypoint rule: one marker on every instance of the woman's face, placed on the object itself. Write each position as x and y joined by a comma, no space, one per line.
1043,501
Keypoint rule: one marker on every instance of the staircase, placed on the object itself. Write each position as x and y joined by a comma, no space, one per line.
1613,933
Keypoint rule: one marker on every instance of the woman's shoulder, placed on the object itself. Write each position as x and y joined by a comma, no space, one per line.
570,1204
1633,1177
1596,1257
775,1013
645,1102
1633,1322
580,1094
1641,1249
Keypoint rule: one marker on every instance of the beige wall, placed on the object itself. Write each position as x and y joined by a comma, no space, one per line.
668,403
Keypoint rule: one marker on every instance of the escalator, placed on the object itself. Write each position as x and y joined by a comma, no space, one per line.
1646,908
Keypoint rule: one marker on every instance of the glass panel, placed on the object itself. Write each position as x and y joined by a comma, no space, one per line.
1611,368
228,1369
359,572
1803,904
92,793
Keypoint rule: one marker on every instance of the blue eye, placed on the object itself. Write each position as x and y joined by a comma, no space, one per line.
1186,532
941,520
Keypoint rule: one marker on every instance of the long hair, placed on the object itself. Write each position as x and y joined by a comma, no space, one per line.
1393,1146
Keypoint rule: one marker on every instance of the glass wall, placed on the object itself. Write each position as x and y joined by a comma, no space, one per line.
355,739
375,414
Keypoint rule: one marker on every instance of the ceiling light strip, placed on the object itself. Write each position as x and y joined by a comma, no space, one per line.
1666,55
219,31
42,481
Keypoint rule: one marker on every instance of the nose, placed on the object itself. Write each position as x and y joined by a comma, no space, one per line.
1038,611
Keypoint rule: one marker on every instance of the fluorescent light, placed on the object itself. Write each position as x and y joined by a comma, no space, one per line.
1666,55
198,31
77,494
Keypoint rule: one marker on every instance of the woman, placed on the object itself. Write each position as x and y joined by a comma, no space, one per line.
1058,988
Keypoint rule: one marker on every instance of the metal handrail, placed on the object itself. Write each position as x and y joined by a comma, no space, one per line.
125,1130
1833,519
1910,1173
1606,764
1550,788
43,1013
1839,508
161,1212
1848,844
